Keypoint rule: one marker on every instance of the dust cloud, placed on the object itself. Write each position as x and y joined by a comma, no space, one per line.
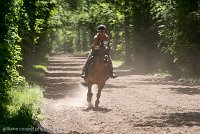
77,97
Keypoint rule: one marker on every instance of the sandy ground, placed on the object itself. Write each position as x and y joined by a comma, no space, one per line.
131,104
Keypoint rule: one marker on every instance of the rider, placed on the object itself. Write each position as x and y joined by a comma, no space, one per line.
100,37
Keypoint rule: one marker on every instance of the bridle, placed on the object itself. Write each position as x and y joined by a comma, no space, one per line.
103,54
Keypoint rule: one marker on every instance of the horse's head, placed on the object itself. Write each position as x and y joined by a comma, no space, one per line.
103,53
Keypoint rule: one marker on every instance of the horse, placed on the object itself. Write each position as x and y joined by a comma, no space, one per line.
98,73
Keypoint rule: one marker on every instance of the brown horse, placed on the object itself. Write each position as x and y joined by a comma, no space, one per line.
98,73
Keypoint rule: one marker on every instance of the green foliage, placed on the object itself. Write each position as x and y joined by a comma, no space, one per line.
33,28
36,75
24,108
117,62
76,28
178,36
32,95
9,50
164,74
22,118
134,27
20,33
40,68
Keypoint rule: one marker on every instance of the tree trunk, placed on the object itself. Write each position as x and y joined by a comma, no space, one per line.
92,33
127,35
84,39
78,38
115,40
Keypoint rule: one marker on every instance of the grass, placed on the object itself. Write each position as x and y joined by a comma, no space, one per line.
164,73
186,79
190,80
117,62
24,109
40,68
31,97
37,74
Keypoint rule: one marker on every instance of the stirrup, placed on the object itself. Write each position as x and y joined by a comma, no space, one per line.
113,75
83,76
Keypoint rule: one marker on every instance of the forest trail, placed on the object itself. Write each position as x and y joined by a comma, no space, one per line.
130,104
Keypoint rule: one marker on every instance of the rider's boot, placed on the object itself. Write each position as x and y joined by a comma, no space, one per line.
84,74
112,74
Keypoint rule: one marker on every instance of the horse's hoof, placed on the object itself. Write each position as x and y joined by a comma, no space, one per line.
87,109
90,106
96,104
89,97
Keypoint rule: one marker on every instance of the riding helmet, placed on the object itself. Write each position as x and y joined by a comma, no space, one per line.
101,28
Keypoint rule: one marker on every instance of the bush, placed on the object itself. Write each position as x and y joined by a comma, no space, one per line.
37,74
23,110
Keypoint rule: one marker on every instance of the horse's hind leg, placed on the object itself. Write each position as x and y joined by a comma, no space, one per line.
89,93
100,87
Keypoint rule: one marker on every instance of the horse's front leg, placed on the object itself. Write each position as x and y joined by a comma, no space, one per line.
89,93
100,87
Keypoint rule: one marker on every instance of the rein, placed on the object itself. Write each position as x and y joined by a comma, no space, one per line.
102,54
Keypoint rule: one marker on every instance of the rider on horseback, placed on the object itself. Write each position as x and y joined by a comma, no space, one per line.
100,37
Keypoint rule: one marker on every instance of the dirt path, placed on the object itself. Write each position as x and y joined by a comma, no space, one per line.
130,104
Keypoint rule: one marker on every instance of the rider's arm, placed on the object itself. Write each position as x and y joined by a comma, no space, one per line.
95,44
107,42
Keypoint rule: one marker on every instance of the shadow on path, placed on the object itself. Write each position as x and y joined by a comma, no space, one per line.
64,74
60,90
172,120
98,109
102,109
188,91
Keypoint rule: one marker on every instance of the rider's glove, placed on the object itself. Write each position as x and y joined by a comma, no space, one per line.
96,47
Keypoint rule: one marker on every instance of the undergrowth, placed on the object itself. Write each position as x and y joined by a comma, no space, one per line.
23,112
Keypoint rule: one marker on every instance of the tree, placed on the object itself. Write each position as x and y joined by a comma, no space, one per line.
9,51
179,39
33,26
127,32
